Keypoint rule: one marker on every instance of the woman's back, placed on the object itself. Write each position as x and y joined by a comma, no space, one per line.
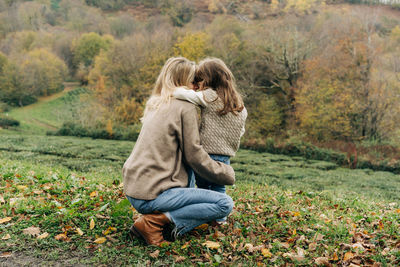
168,137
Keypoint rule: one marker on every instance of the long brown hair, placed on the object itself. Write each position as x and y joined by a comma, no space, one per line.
216,75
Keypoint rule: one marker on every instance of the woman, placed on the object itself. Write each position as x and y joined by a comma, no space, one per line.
155,178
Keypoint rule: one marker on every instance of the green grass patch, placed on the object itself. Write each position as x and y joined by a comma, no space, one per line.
288,210
48,113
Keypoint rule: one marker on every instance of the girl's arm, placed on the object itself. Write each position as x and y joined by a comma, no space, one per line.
192,96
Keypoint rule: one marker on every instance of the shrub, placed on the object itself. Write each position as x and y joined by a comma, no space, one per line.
8,122
4,107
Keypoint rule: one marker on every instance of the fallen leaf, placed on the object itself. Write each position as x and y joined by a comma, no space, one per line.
43,236
31,231
335,257
100,240
312,246
61,237
380,225
266,253
285,244
2,199
179,259
322,261
5,254
7,236
211,244
300,251
155,254
6,219
91,226
93,194
109,229
398,210
347,256
249,247
293,256
319,237
185,245
358,245
79,231
204,226
22,187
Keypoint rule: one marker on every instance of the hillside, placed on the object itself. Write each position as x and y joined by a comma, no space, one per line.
48,114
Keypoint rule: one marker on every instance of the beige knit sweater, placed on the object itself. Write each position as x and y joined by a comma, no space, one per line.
218,134
168,138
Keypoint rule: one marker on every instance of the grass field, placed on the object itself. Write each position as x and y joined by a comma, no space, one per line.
62,204
287,210
48,114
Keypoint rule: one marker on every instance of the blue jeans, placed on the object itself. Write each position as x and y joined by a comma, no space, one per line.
187,208
204,184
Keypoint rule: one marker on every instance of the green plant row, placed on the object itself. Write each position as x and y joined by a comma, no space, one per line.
310,151
130,133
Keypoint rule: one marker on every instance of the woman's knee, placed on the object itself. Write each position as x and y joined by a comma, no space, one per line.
226,205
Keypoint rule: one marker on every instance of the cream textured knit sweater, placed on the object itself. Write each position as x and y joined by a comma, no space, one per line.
218,134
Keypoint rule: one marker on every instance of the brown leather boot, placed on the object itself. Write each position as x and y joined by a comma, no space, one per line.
150,227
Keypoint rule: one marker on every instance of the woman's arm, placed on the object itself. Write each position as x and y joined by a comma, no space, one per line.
192,96
197,158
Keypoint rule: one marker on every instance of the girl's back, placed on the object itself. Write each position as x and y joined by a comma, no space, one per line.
220,134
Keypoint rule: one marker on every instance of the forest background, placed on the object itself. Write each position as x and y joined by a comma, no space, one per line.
314,74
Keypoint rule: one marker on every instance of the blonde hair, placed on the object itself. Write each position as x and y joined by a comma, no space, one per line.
216,75
176,72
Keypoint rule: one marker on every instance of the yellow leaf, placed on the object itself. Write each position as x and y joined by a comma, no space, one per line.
93,194
266,253
185,245
42,236
347,256
109,229
204,226
79,231
100,240
296,213
294,232
22,187
6,219
91,226
7,236
211,244
398,210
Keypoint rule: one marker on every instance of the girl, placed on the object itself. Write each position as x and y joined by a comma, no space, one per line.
154,176
223,114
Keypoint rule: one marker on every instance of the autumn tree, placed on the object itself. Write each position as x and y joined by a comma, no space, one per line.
123,76
347,92
193,46
43,72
